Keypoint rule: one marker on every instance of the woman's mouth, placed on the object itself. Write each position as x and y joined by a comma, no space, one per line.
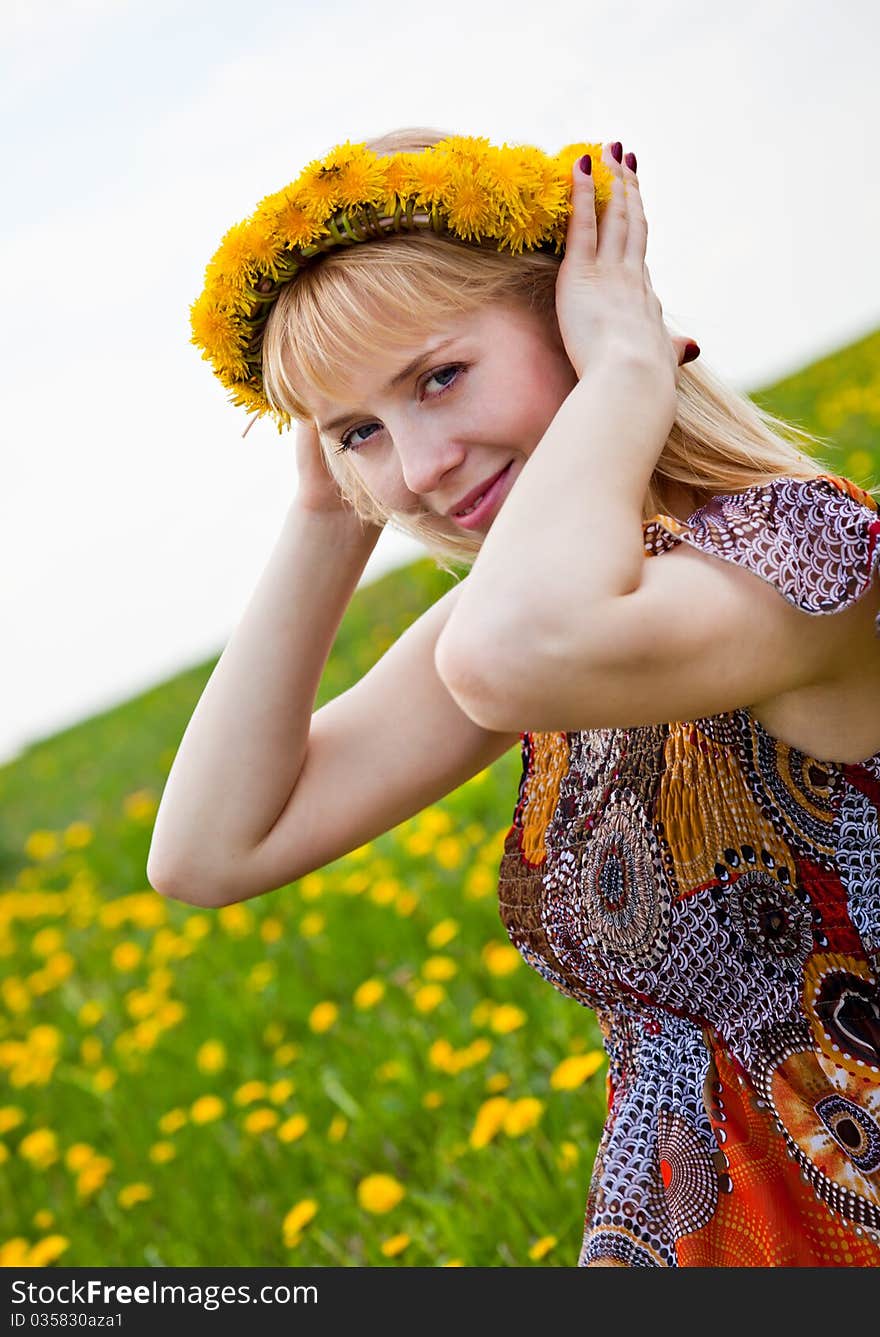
480,510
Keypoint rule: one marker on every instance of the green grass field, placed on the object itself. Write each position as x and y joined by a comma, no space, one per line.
355,1069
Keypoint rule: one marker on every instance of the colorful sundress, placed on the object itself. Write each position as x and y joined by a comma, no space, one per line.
714,895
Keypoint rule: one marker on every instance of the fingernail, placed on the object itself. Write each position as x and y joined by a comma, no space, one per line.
586,164
617,151
691,351
630,161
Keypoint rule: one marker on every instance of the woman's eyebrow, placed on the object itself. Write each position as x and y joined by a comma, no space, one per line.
395,381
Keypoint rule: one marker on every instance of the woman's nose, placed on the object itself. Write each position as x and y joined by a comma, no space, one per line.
425,459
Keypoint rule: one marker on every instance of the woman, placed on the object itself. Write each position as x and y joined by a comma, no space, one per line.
695,849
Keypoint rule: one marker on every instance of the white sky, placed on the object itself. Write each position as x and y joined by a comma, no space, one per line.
135,521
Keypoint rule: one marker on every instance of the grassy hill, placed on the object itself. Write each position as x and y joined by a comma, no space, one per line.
185,1087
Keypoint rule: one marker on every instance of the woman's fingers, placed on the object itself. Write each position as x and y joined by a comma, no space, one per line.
637,234
615,219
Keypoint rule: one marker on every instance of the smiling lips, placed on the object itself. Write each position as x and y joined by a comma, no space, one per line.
469,501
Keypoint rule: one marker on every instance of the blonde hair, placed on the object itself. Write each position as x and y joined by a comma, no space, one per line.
720,441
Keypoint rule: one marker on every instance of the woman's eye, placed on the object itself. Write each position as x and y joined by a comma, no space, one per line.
348,441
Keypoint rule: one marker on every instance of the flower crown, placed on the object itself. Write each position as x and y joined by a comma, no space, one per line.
508,198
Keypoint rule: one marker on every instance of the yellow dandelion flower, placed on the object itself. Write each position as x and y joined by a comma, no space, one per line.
439,968
379,1193
93,1176
248,1092
41,845
281,1090
317,190
60,966
47,1250
390,1071
576,1069
419,843
43,1218
91,1050
207,1108
131,1194
273,1034
162,1152
368,994
568,1156
261,1120
479,882
499,1081
395,1245
311,886
271,929
261,975
126,956
211,1056
172,1121
542,1247
441,1054
16,996
103,1079
453,1262
196,927
10,1117
78,1155
401,180
522,1115
489,1121
361,175
236,920
507,1017
77,835
356,882
406,902
442,934
470,211
473,1053
322,1017
311,924
47,941
432,1100
293,224
500,958
338,1128
428,997
293,1128
299,1216
90,1013
285,1054
14,1252
384,891
39,1147
432,177
449,852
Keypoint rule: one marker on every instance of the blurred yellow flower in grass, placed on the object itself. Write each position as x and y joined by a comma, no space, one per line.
78,1155
394,1245
432,1100
499,1081
368,994
500,958
39,1147
47,1250
355,883
428,997
542,1247
10,1117
260,1120
338,1128
435,822
43,1218
196,927
390,1070
479,882
140,805
16,997
140,1003
859,465
489,1121
449,852
442,1055
271,929
311,886
60,966
322,1017
207,1108
172,1121
507,1017
576,1069
47,941
91,1050
406,902
14,1252
296,1221
41,845
379,1193
384,890
261,975
273,1034
442,934
131,1194
93,1176
312,924
77,835
439,968
90,1013
103,1079
418,844
568,1156
126,956
281,1090
236,920
211,1056
162,1152
4,1153
293,1128
285,1054
453,1262
522,1115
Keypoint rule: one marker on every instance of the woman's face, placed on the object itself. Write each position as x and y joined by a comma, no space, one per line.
430,426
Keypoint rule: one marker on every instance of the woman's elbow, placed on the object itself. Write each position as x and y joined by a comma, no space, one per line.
476,683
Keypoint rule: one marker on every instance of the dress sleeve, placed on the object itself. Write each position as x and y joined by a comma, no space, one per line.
817,541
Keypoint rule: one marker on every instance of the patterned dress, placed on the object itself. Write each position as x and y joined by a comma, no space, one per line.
714,895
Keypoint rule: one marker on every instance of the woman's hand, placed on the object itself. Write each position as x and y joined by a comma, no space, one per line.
317,488
605,305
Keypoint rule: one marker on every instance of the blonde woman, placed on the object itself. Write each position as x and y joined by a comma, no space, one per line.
667,603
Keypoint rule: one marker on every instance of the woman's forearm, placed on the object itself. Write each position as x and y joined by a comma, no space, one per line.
243,749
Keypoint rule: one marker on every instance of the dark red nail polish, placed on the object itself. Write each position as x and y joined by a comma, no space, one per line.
630,161
691,351
586,164
617,151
